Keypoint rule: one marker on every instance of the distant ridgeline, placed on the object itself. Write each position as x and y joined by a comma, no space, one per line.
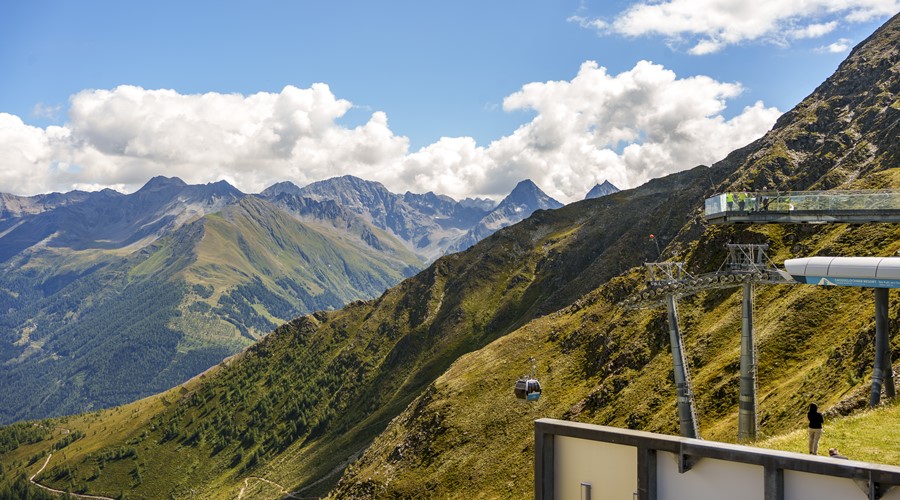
110,297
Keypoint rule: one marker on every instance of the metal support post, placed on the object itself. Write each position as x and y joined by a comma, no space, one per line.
889,390
747,399
882,346
887,364
683,391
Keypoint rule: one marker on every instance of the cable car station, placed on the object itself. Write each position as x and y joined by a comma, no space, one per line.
573,460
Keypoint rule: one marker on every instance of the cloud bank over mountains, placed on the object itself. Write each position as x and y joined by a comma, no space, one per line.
708,26
625,128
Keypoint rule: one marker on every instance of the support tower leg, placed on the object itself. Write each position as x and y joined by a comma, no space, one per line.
685,401
747,399
882,369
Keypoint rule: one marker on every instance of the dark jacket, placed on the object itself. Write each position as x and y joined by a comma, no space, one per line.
815,420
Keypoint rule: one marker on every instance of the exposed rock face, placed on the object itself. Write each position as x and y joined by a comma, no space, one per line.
601,190
848,128
525,199
432,224
110,220
428,222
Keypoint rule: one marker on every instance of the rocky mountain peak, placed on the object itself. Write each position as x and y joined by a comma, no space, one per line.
529,194
519,204
279,188
162,182
817,144
601,190
484,204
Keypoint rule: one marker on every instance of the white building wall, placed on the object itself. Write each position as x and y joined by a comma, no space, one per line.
708,479
610,469
611,472
800,485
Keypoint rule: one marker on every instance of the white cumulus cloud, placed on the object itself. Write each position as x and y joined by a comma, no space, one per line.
124,136
710,25
839,47
625,128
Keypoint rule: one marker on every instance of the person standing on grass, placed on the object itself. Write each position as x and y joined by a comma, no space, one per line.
815,428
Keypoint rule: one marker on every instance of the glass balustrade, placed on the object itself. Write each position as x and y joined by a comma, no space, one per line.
798,202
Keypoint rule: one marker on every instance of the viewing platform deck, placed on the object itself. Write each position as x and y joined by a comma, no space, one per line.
804,207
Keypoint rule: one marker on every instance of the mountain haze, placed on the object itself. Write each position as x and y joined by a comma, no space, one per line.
431,224
214,270
115,297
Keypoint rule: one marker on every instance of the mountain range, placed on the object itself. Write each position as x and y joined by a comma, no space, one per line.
410,394
432,225
175,277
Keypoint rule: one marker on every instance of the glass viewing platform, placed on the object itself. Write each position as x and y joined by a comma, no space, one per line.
804,207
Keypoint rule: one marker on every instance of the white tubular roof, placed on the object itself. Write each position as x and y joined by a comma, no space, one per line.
886,268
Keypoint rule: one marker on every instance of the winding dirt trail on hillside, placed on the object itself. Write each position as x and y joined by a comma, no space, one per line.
284,491
340,467
273,483
60,492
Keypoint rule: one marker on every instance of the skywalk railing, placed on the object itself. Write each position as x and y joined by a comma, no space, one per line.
804,206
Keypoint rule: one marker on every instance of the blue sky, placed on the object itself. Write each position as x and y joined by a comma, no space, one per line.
404,74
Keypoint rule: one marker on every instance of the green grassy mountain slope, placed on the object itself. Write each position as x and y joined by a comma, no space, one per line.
302,401
601,364
859,437
419,381
262,267
126,326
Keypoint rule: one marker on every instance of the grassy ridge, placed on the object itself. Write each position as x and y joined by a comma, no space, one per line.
604,365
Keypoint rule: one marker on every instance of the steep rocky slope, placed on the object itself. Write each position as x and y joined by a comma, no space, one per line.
424,372
521,202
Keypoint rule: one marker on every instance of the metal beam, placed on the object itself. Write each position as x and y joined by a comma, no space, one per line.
543,464
773,485
747,394
646,473
685,401
874,479
806,217
882,346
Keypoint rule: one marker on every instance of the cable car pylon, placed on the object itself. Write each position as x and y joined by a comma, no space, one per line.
747,264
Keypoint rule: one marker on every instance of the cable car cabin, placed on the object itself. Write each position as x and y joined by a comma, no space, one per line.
528,389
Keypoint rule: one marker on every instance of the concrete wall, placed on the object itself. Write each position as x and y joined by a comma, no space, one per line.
572,459
710,478
610,469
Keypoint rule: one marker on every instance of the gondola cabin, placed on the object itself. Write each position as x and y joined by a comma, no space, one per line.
528,389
